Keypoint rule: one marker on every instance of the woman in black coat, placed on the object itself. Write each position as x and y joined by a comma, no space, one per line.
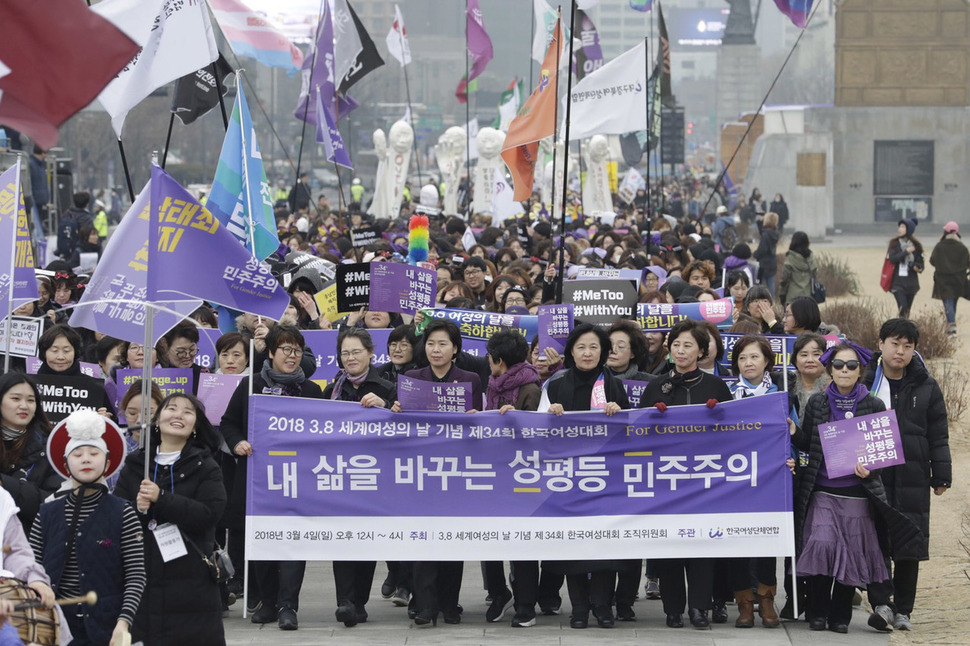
274,591
182,604
767,252
686,384
843,525
590,583
359,382
906,254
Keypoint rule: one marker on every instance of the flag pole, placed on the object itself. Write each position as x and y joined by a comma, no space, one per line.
168,137
18,198
533,32
222,102
309,92
646,73
565,161
124,164
468,98
146,366
407,90
245,169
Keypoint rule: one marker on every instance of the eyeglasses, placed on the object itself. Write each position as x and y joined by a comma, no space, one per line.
186,353
619,347
473,271
346,354
398,345
137,349
838,364
290,351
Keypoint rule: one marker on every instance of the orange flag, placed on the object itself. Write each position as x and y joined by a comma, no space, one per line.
536,120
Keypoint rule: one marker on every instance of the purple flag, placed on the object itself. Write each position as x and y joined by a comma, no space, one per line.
479,48
590,57
192,255
15,247
329,135
114,300
318,74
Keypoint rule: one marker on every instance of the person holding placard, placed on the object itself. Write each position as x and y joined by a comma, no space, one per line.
358,381
60,351
837,540
180,506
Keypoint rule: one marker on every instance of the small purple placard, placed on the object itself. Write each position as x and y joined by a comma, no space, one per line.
395,287
871,440
417,394
555,324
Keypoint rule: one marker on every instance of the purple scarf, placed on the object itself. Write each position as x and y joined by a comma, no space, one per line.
840,405
506,388
342,377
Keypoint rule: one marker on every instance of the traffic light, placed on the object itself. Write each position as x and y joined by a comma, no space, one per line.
690,127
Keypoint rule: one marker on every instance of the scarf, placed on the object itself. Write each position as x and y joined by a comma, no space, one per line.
505,389
342,377
11,434
744,389
880,386
72,371
844,406
681,378
282,383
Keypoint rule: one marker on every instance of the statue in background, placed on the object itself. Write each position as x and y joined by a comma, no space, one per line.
596,189
490,167
450,154
380,205
401,137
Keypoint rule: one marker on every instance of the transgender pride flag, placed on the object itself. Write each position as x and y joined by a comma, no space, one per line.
249,34
797,10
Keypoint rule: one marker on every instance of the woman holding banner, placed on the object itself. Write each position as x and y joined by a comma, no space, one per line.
688,342
586,384
358,381
838,542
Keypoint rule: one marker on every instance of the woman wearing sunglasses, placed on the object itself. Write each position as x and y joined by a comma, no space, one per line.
838,543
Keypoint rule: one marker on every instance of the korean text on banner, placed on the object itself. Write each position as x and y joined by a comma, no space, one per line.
335,480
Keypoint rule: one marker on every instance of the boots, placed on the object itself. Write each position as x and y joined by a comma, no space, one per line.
766,605
745,599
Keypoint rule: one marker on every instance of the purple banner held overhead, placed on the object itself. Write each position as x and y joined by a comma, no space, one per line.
555,324
168,380
658,317
871,440
417,394
783,346
192,255
329,135
207,348
478,325
334,480
396,287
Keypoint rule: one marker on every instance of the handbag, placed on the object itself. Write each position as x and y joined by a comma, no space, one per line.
966,288
886,278
218,563
818,290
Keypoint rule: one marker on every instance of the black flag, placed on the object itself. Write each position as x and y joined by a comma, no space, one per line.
368,59
195,94
666,93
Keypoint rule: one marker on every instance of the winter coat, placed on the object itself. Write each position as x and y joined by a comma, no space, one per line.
181,604
796,276
767,252
677,392
31,479
952,262
921,414
897,533
373,383
781,210
234,427
898,255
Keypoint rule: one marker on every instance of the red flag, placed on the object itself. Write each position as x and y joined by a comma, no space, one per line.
61,55
536,120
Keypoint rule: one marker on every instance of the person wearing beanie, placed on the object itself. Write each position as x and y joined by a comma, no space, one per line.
739,260
952,262
108,554
906,254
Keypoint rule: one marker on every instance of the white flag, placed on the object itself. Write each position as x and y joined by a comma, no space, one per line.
503,206
181,42
4,70
508,110
346,41
545,23
397,39
613,99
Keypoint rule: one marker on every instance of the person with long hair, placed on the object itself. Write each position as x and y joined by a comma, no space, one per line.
766,253
906,254
797,270
183,603
952,262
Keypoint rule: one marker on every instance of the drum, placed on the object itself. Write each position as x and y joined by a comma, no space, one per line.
38,625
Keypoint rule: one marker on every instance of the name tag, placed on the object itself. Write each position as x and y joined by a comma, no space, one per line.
170,543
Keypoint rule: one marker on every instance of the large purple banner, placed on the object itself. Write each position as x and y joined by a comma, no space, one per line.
335,480
657,317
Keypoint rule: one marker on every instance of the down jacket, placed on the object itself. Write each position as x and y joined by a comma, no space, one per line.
898,535
921,414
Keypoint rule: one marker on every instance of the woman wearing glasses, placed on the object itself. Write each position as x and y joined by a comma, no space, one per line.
278,582
838,542
178,349
357,381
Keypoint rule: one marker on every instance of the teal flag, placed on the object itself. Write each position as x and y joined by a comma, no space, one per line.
241,198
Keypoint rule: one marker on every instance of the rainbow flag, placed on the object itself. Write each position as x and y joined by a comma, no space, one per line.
250,34
797,10
644,5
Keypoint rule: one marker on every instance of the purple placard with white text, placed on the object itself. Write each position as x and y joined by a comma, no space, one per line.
417,394
634,391
89,369
395,287
555,324
871,440
215,391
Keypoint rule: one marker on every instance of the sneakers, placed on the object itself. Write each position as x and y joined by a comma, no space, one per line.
287,619
882,619
265,615
401,597
500,603
902,622
524,618
652,589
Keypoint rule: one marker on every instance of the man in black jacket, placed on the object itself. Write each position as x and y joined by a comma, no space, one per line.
905,385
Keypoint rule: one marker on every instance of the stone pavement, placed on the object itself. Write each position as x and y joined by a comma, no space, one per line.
388,624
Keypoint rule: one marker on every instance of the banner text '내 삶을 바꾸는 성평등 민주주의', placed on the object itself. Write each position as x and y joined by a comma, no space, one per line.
337,481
